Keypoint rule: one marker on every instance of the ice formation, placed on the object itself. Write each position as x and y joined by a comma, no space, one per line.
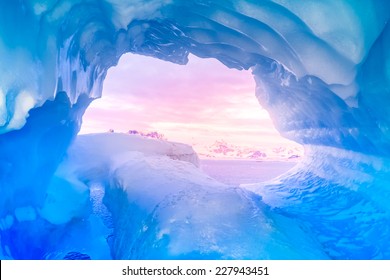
322,70
160,205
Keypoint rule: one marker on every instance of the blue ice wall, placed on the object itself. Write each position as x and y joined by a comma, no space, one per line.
29,157
322,70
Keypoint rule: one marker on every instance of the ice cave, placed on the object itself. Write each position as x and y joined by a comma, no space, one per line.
321,68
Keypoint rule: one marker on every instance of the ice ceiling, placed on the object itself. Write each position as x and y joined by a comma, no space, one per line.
322,70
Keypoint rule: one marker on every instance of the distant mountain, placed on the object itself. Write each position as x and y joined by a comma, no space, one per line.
258,155
223,149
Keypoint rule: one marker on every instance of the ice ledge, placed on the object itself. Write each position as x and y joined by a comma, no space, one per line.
103,146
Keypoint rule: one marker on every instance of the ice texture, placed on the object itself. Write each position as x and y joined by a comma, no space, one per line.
321,68
160,205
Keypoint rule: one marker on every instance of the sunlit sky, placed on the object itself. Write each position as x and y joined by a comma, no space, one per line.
198,103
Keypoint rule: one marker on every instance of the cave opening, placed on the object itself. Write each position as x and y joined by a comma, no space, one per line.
323,81
203,104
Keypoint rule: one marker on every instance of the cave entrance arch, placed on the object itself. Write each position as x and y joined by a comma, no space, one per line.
323,80
203,104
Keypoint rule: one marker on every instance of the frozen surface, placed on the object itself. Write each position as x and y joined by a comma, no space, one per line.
236,172
162,206
321,69
68,193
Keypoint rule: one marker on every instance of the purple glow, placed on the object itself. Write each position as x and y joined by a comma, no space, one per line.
197,104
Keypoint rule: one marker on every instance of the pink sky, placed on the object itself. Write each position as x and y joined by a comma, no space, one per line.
198,103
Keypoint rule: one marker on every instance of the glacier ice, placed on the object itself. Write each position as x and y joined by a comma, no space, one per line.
160,205
322,70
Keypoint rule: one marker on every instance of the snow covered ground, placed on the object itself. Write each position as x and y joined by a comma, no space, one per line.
162,206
